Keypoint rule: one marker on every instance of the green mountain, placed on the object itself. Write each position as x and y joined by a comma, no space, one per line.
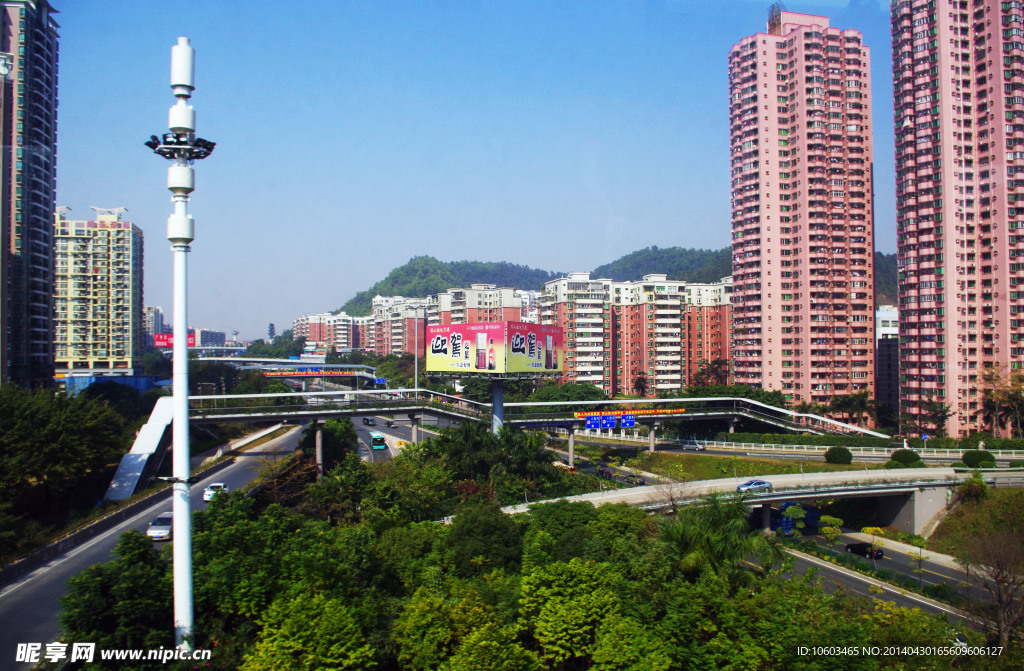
692,265
425,275
885,279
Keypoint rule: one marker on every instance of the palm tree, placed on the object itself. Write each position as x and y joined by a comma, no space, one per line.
714,537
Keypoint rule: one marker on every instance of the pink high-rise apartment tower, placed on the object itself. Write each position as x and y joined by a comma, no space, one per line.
802,210
958,90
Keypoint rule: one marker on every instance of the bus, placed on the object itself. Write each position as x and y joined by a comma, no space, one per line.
377,441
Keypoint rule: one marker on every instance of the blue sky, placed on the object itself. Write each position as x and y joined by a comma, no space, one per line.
352,136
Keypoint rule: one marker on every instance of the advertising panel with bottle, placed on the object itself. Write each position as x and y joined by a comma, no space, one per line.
494,347
534,348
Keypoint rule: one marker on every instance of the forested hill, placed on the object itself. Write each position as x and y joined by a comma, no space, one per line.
885,279
425,275
691,265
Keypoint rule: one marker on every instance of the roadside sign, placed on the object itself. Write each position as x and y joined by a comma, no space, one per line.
628,421
607,421
380,380
594,422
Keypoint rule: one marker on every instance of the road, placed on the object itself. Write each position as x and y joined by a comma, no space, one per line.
833,579
29,607
907,563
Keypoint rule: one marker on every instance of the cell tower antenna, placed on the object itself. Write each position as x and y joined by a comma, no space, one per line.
108,210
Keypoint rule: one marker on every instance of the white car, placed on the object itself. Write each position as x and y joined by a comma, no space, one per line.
214,489
160,528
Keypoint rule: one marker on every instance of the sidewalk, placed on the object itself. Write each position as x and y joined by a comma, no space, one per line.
906,548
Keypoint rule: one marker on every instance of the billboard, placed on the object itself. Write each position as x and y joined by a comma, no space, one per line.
495,347
167,340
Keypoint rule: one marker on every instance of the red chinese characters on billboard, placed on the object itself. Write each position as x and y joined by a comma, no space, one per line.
167,340
494,347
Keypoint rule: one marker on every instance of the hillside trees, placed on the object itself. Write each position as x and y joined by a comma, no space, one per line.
56,458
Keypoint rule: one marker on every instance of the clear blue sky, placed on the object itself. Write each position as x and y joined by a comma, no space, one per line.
352,136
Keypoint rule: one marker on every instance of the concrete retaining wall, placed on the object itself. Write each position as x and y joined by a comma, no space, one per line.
37,558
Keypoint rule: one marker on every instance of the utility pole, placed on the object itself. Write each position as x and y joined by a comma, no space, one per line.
181,146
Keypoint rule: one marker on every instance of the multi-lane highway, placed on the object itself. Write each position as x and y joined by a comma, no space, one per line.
29,607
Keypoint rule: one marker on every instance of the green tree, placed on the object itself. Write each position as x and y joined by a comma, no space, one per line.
56,455
623,644
433,624
124,603
406,490
839,455
492,647
337,496
712,373
339,439
715,537
307,633
998,558
564,604
482,538
831,528
640,384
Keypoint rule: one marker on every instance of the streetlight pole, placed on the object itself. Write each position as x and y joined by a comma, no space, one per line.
181,146
416,351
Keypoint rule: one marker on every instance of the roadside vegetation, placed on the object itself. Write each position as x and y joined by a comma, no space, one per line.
685,467
354,571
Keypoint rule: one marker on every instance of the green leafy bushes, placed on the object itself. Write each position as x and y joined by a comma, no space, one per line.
839,455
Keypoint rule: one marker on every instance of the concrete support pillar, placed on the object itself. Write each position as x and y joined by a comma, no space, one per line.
319,449
414,422
497,405
572,444
766,517
652,436
732,425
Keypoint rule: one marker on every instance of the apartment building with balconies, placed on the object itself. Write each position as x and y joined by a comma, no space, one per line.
802,209
478,303
582,307
958,83
97,295
28,123
399,325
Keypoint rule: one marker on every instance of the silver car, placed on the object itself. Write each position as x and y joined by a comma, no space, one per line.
754,486
160,528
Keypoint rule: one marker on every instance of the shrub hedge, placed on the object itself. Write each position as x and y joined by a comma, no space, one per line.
839,455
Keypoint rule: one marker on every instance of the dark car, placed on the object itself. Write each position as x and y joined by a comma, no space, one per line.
634,480
369,421
865,550
389,424
604,473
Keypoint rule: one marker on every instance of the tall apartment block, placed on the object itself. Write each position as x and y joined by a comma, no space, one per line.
28,123
615,332
400,325
97,295
582,307
478,303
152,324
958,89
334,331
802,209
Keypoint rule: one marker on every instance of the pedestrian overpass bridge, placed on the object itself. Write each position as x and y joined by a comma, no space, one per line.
908,499
153,439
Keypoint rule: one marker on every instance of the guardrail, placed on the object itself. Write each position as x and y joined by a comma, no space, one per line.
879,451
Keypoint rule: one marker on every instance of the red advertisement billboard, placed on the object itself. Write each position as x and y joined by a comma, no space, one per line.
167,340
495,347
